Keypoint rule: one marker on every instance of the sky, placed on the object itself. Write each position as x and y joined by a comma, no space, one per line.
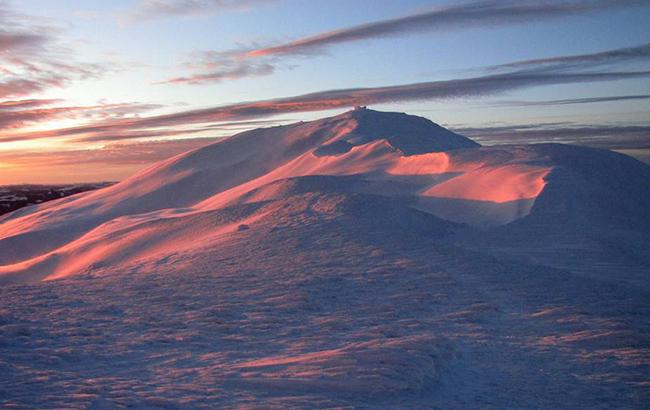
96,90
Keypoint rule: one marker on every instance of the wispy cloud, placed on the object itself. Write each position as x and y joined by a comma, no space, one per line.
616,137
18,87
620,55
21,104
233,71
478,14
155,9
467,15
120,135
33,57
570,101
15,42
136,152
20,113
118,160
335,99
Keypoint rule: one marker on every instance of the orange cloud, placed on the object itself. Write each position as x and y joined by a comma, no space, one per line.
14,115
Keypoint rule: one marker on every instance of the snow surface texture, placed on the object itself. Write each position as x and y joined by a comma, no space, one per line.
369,259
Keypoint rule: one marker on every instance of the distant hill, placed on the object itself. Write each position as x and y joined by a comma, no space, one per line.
14,197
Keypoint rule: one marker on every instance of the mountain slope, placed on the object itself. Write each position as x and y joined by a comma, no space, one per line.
329,300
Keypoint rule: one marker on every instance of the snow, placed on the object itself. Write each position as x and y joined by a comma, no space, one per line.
402,266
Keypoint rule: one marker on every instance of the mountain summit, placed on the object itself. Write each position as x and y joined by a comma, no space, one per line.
408,133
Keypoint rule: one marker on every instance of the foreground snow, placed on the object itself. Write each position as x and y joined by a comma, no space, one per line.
316,311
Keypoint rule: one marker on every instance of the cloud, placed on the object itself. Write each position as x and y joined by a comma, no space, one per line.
627,54
154,9
110,162
335,99
615,137
467,15
478,14
18,87
112,136
569,101
18,36
234,71
138,152
34,59
23,77
129,135
20,113
21,104
17,42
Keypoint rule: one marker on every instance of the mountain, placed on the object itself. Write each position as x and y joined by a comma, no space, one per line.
367,259
530,189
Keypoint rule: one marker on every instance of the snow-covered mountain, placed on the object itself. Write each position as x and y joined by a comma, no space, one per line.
408,159
369,258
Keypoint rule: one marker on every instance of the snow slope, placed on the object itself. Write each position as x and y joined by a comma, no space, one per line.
368,259
318,305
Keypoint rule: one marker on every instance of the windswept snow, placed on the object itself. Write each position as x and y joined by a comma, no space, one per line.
369,259
325,308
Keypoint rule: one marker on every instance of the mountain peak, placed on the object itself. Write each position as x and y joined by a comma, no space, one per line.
409,133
